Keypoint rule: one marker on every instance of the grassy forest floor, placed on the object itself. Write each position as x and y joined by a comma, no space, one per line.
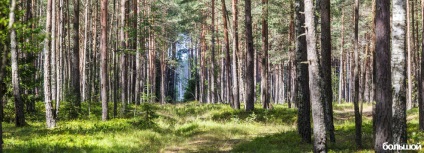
191,127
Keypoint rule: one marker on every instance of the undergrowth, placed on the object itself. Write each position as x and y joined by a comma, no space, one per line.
186,127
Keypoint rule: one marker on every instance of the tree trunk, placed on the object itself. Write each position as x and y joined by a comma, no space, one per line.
398,71
383,88
315,80
2,87
264,57
202,64
235,78
53,54
75,58
341,65
212,94
408,35
94,70
163,76
139,48
414,60
250,86
50,120
326,67
358,117
421,94
304,106
292,59
59,71
19,105
85,50
229,94
123,56
103,59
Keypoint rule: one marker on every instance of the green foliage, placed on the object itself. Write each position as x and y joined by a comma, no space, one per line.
147,97
335,83
71,110
149,114
190,89
28,39
279,115
258,92
4,12
188,127
9,112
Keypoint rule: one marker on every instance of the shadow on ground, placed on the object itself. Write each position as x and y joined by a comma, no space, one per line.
290,142
276,116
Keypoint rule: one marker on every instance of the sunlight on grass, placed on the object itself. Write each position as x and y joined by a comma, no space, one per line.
193,127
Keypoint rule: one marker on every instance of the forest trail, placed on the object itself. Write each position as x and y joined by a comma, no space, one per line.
191,127
348,113
207,142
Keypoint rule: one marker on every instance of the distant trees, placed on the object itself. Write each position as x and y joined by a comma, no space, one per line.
138,53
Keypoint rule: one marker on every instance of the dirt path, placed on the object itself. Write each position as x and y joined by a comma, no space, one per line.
212,142
345,114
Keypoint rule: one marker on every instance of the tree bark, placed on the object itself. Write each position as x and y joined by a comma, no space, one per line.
2,88
264,57
229,94
341,65
85,50
75,58
19,105
50,120
315,80
53,54
250,86
59,71
122,48
203,77
421,101
292,59
398,71
236,94
326,67
358,117
212,94
383,87
139,48
103,59
163,76
408,35
304,106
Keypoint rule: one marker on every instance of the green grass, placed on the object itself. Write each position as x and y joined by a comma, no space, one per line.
190,127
